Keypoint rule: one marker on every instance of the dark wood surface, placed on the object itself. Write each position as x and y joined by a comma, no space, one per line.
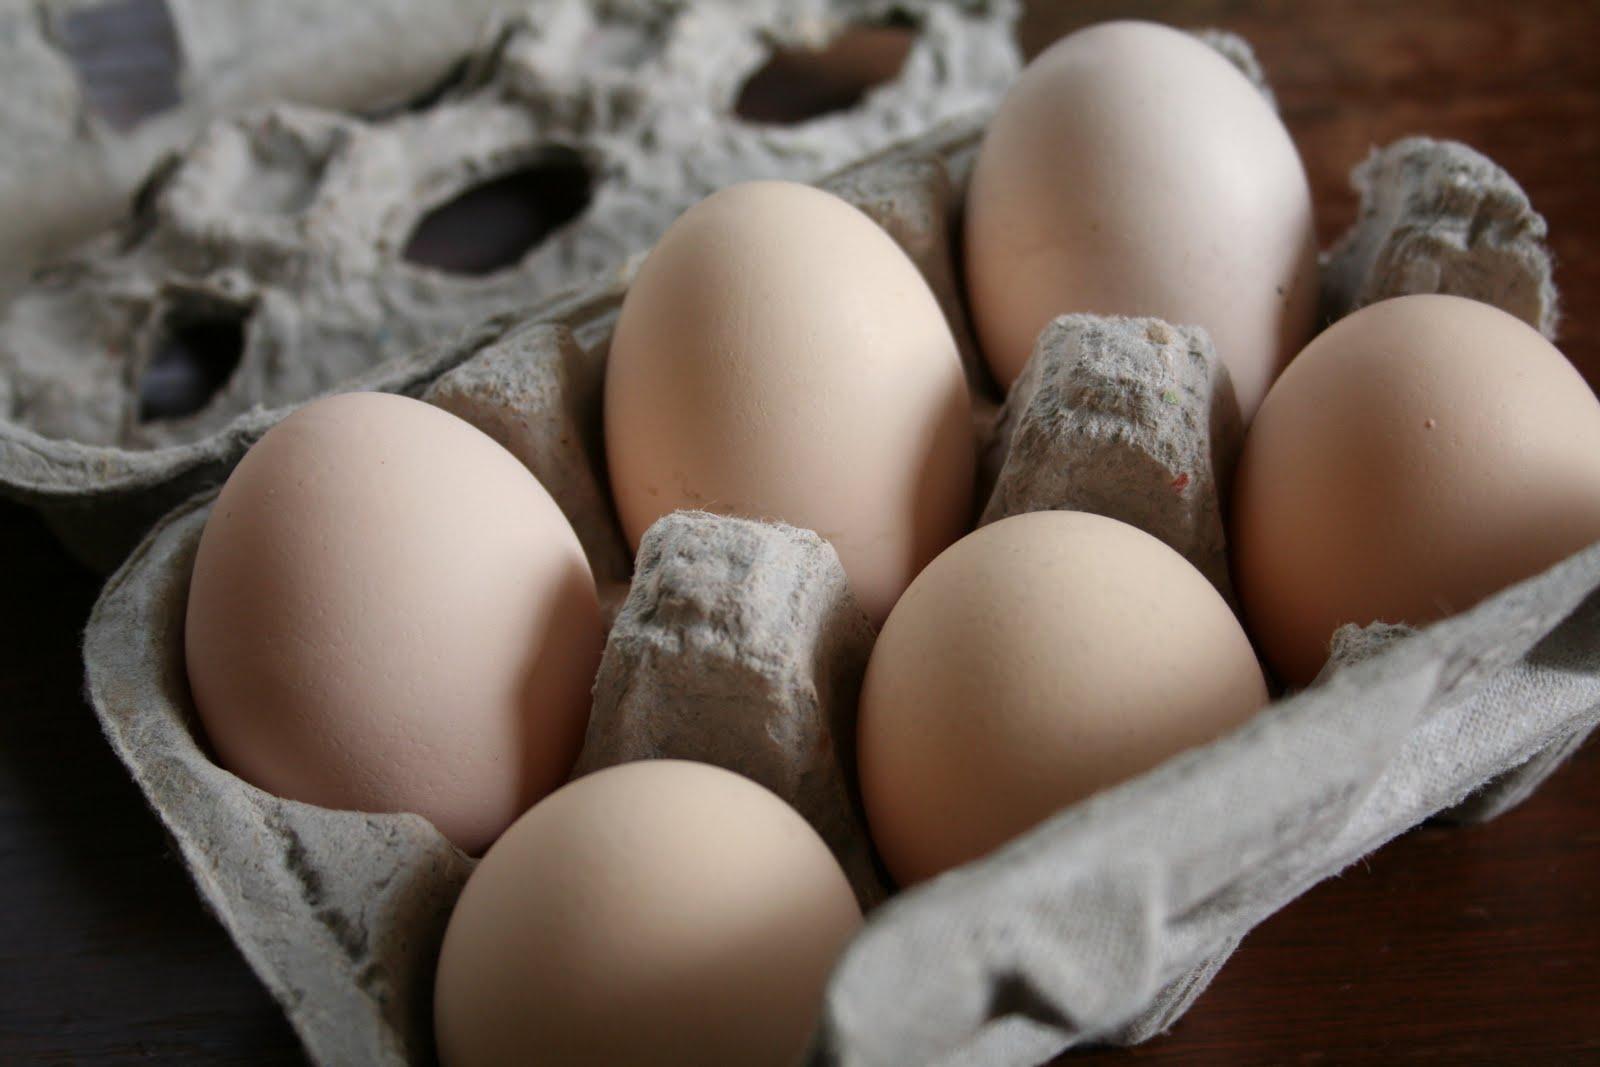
1452,945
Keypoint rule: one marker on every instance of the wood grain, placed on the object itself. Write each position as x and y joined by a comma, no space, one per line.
106,955
1452,945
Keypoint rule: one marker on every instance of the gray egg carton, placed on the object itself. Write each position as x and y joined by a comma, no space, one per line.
288,226
739,642
96,91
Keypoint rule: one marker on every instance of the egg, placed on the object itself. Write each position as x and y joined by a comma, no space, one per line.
650,913
1037,661
1132,170
779,357
388,613
1419,455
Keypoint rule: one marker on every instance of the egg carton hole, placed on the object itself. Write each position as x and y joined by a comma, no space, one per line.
493,224
128,57
798,84
196,348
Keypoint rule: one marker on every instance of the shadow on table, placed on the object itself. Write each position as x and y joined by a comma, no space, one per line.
105,951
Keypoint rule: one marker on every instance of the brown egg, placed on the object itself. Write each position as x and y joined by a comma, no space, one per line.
659,912
1039,660
1421,454
779,357
389,613
1132,170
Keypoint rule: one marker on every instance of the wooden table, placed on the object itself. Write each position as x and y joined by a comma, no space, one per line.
1452,945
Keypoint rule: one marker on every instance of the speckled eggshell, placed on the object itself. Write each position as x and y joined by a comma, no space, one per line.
779,357
389,613
1132,170
1420,454
658,912
1037,661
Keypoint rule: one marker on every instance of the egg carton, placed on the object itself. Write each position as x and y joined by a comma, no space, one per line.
284,232
741,644
80,132
89,108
